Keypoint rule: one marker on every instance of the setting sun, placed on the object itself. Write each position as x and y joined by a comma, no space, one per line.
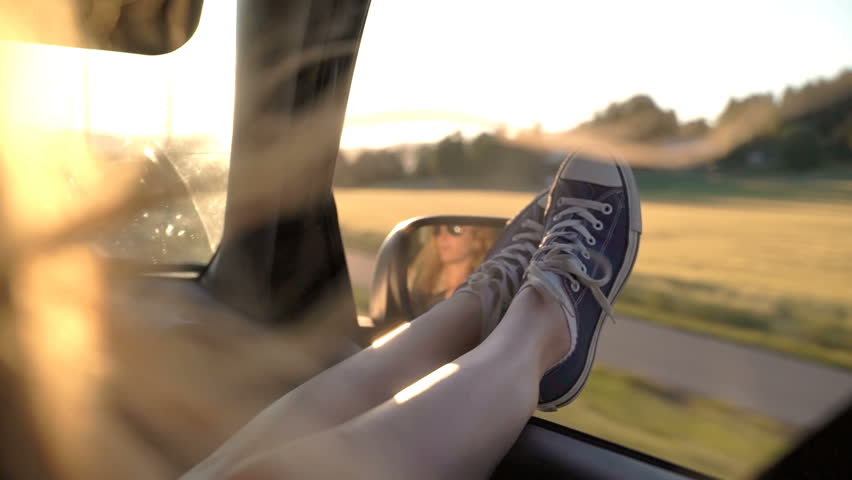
186,92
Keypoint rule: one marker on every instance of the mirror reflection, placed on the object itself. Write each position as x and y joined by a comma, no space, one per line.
441,257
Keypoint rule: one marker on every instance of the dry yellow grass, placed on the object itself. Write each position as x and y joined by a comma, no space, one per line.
775,273
758,249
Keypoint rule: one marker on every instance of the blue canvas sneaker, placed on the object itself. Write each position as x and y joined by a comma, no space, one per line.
592,227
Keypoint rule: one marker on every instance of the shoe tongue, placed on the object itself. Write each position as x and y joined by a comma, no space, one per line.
553,278
578,189
541,203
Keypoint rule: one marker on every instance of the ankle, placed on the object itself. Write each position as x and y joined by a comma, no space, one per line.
541,318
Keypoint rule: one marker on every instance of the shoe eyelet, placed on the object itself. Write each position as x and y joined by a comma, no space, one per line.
598,225
586,255
591,241
607,209
583,269
575,287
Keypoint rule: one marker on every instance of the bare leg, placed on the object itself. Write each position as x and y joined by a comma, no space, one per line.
366,379
458,427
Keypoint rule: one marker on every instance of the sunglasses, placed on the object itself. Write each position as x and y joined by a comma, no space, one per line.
454,230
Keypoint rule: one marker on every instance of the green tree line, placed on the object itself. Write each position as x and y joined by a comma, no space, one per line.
805,128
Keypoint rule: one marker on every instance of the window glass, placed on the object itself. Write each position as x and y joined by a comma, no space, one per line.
166,118
734,335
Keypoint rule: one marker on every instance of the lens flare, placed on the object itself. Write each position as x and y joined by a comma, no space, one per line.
390,335
425,383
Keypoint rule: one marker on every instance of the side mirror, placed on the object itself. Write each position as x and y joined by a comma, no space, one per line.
423,260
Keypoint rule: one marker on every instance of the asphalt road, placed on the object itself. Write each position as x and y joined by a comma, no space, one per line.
797,392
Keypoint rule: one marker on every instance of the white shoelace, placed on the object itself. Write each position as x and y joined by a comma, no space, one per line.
497,269
567,242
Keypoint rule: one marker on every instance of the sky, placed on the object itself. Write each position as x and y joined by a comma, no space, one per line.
557,62
426,69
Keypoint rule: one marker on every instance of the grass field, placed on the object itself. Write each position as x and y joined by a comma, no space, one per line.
726,261
695,432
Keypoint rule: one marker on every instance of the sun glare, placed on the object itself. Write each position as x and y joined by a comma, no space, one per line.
425,383
186,92
390,335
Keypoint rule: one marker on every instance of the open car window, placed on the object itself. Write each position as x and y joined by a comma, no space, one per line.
161,125
733,338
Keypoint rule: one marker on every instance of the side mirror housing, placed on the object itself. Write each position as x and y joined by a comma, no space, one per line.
463,239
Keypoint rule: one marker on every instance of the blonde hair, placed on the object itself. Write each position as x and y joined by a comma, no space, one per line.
425,270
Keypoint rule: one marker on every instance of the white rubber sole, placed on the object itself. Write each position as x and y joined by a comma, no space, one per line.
635,212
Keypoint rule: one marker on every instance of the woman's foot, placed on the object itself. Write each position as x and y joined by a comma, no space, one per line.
499,277
592,227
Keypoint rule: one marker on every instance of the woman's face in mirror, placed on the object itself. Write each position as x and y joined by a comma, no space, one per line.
454,242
